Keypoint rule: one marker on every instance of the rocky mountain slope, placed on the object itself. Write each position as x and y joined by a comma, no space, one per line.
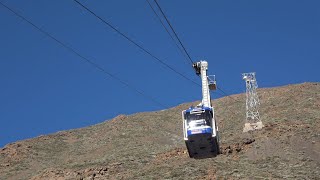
150,145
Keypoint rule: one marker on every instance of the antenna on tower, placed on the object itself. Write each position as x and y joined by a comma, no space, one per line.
253,121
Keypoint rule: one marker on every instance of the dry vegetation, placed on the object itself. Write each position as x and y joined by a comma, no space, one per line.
149,145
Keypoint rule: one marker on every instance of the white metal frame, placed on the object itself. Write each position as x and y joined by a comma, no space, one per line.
253,120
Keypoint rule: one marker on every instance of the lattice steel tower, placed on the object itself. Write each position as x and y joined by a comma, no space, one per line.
253,121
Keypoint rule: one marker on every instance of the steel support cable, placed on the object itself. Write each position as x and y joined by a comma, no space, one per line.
228,95
178,38
84,58
135,43
146,51
172,38
231,98
173,31
182,43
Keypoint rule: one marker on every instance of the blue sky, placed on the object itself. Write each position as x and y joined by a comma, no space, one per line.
45,88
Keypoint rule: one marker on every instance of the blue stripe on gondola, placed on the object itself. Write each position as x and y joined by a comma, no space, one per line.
200,131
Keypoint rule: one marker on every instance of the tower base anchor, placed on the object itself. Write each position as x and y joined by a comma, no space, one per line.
252,126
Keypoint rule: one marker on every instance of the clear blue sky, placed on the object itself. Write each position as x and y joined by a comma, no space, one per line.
45,88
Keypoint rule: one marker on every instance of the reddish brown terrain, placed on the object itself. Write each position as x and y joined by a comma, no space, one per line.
150,145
